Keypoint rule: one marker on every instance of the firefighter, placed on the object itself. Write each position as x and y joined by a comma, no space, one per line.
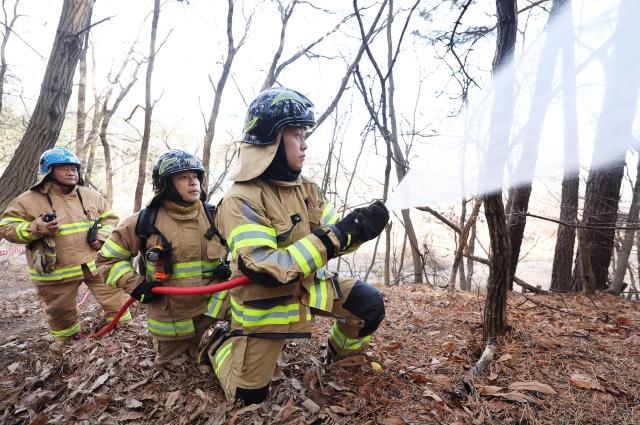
179,246
281,233
63,224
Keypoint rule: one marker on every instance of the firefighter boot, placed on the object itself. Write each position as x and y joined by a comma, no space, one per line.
220,335
59,344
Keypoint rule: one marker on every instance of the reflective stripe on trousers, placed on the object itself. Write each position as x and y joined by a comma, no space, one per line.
70,331
170,328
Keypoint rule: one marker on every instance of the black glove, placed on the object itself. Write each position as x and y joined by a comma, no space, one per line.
143,291
223,271
363,224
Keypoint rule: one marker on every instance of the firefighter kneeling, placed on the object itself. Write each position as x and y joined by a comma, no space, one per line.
281,232
180,247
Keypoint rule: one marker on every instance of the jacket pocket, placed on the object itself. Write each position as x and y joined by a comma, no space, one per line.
315,216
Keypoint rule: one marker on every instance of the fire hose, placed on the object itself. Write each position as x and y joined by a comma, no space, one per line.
174,290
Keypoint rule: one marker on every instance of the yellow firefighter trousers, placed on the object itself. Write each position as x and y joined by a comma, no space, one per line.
249,362
60,302
169,350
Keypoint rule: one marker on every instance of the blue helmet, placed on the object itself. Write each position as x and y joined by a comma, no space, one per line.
55,156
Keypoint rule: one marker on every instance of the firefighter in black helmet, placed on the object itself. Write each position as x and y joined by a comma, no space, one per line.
281,232
171,234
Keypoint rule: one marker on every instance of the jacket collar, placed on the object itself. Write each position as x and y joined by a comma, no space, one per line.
182,212
280,183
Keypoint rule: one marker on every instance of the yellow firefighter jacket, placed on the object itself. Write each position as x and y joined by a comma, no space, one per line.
268,226
72,249
194,259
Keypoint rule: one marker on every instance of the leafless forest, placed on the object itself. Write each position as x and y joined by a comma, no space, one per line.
515,306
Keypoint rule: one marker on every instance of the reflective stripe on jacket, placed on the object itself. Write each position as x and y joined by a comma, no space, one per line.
194,260
72,249
268,226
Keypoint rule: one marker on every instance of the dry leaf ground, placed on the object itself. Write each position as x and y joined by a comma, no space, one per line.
588,357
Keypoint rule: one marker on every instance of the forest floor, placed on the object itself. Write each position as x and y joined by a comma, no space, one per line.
567,360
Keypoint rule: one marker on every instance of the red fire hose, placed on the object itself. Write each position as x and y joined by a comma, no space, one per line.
173,290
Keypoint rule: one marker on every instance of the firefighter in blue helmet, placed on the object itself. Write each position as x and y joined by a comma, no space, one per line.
63,224
281,232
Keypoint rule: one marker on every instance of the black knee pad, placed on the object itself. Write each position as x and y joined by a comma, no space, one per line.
252,396
366,302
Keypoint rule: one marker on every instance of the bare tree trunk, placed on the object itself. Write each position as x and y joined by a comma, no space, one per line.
627,241
603,185
8,28
107,115
148,110
495,309
400,162
81,114
520,195
470,251
47,118
215,110
387,254
89,148
561,278
398,276
462,242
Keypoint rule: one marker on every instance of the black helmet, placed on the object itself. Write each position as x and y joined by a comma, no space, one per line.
274,109
174,161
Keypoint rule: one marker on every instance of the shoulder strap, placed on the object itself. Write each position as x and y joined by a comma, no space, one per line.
146,224
84,210
210,211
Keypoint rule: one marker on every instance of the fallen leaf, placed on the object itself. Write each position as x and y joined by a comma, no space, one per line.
339,410
172,397
448,346
130,416
311,406
295,384
519,397
488,389
352,361
430,394
392,420
393,346
101,380
376,367
623,321
41,419
200,394
480,419
531,386
13,367
337,387
132,403
418,377
249,408
585,382
492,377
285,412
504,358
